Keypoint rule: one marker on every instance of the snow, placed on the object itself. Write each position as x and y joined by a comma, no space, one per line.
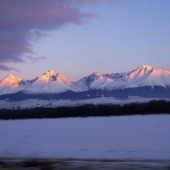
50,82
93,81
148,76
125,137
9,84
142,76
32,103
10,80
54,82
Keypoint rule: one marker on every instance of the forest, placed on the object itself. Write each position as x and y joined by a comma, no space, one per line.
152,107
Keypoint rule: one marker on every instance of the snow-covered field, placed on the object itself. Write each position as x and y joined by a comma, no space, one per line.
125,137
31,103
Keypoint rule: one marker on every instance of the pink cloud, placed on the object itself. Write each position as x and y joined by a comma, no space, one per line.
19,17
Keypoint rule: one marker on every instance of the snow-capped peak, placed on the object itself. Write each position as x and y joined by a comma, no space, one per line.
52,76
10,84
11,81
50,73
146,67
96,74
51,82
148,76
140,72
93,81
147,71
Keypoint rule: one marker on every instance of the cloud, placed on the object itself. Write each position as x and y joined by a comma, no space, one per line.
23,20
33,59
6,68
18,18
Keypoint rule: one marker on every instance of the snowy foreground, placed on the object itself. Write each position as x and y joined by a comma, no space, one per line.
125,137
32,103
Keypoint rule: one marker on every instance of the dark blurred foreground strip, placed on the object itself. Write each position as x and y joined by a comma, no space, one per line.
52,164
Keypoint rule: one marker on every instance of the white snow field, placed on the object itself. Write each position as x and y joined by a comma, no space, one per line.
124,137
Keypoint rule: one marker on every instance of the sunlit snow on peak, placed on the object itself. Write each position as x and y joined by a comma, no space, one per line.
51,82
146,67
140,72
93,81
10,80
49,73
96,74
10,84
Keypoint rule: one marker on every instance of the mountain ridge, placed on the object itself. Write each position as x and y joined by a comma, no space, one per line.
55,82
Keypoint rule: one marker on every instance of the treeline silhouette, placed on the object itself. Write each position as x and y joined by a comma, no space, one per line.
152,107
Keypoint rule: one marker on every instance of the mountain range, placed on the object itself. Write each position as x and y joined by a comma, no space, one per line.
144,81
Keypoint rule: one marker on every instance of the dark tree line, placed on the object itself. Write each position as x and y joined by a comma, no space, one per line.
152,107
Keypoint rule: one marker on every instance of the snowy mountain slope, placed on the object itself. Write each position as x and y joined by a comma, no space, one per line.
119,80
142,76
148,76
10,84
50,82
54,82
93,81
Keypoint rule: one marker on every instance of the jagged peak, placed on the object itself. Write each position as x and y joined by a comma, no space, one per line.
51,76
12,77
50,73
11,80
146,67
144,71
96,74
